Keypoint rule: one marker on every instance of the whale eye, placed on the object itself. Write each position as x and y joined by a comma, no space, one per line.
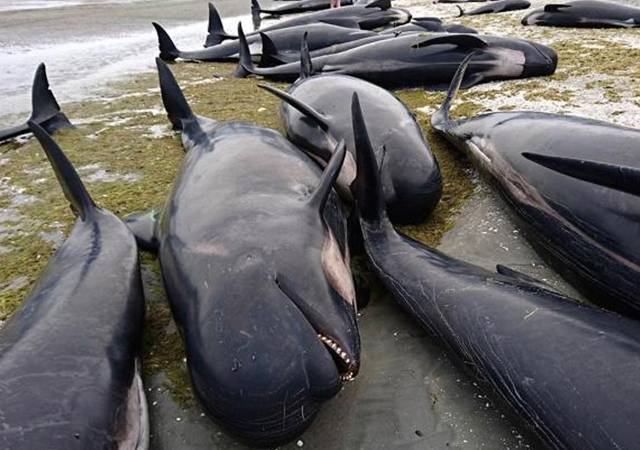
336,269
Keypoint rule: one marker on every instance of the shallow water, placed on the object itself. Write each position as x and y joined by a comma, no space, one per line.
88,43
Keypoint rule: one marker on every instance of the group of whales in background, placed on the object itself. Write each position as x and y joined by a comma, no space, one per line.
265,273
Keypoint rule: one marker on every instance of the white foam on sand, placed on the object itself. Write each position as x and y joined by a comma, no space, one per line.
82,69
24,5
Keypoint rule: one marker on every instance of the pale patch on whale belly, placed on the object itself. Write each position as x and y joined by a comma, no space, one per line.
135,434
337,271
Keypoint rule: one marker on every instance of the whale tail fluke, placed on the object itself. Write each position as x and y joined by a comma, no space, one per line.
367,187
45,110
168,50
441,120
74,190
216,34
245,63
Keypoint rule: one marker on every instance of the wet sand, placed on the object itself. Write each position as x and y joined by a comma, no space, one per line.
87,46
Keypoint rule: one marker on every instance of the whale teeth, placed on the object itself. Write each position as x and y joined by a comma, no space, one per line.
341,354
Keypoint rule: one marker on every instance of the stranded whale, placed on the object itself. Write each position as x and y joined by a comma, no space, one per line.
69,355
416,60
316,111
570,370
321,36
585,14
252,247
496,7
534,159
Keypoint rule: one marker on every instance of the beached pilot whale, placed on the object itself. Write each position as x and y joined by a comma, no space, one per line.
299,6
496,7
413,59
553,172
69,366
316,111
45,110
585,14
570,370
321,36
252,247
378,13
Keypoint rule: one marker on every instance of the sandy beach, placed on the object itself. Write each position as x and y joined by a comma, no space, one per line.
99,57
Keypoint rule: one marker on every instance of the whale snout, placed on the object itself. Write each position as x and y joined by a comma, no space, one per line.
540,61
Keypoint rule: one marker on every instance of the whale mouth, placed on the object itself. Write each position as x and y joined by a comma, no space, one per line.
346,365
348,369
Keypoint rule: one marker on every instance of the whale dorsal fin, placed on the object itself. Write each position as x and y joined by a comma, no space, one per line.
305,109
306,66
44,107
43,103
382,4
441,120
319,197
621,178
555,7
367,187
74,190
461,40
215,28
178,110
269,56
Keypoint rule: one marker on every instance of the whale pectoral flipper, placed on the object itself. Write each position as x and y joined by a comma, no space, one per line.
72,185
216,30
621,178
318,118
143,225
